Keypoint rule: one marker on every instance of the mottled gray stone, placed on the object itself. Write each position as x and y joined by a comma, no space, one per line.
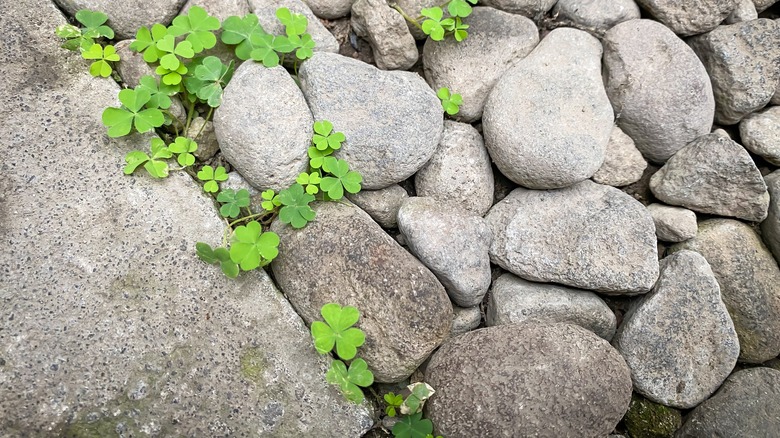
514,300
264,126
678,340
713,175
623,163
405,311
659,89
760,134
520,378
743,62
382,205
745,11
762,5
330,9
459,171
453,244
595,15
125,17
673,224
776,97
547,120
222,9
748,277
465,319
208,146
588,236
528,8
385,29
266,16
689,17
770,227
392,119
471,67
747,405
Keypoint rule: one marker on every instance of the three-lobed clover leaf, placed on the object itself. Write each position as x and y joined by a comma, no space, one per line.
264,50
103,56
458,28
325,138
120,121
270,200
209,80
419,393
159,98
184,147
232,201
146,42
450,102
237,31
432,26
304,46
316,156
93,22
342,179
413,426
252,248
337,331
394,402
171,68
296,210
212,178
350,380
74,38
220,256
154,164
460,8
294,24
198,25
310,181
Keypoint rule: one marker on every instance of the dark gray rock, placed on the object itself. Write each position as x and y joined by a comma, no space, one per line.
516,380
770,227
713,175
743,62
266,16
679,340
330,9
496,41
689,17
528,8
673,224
587,236
452,244
760,134
465,319
745,11
623,163
264,126
392,119
547,121
747,405
659,89
382,205
748,277
385,29
595,15
514,300
405,311
459,171
126,17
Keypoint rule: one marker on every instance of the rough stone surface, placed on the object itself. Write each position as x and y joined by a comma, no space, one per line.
760,134
264,126
547,120
748,404
208,146
658,87
405,311
222,9
714,175
471,67
748,277
110,322
452,244
465,320
382,205
673,224
520,376
330,9
679,340
514,300
595,15
646,419
762,5
266,16
459,171
386,30
689,17
770,227
623,163
588,236
743,61
392,119
125,17
745,11
529,8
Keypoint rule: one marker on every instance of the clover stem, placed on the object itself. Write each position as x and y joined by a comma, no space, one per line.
190,112
406,16
208,116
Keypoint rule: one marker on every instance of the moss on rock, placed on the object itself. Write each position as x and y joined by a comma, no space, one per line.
646,419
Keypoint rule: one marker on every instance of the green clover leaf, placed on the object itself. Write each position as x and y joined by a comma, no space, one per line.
74,38
342,179
212,178
350,380
420,392
252,248
432,26
158,98
173,51
101,67
220,256
450,102
460,8
211,77
413,426
270,200
154,164
120,121
294,24
133,160
232,202
146,42
337,330
237,31
282,44
325,138
263,49
67,31
93,22
184,147
393,402
310,182
198,26
459,30
172,77
305,46
316,156
296,210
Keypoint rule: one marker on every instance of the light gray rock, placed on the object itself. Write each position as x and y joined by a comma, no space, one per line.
547,120
459,172
516,380
623,163
471,67
713,175
385,29
762,5
222,9
465,319
514,300
743,62
382,205
412,8
748,404
266,16
595,15
745,11
126,17
264,126
111,324
392,119
405,311
748,277
330,9
587,236
776,97
528,8
673,224
659,89
770,227
760,133
678,340
452,244
689,17
208,146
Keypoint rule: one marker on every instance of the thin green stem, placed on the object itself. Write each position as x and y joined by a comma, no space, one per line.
208,116
406,16
190,113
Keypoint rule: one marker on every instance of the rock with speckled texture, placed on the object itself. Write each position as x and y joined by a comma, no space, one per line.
745,11
595,15
330,9
528,8
623,163
689,17
125,17
382,205
770,227
385,29
673,224
760,134
266,16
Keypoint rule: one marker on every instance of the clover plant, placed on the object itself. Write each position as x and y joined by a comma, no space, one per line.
413,426
232,202
350,379
83,39
212,178
434,24
449,102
